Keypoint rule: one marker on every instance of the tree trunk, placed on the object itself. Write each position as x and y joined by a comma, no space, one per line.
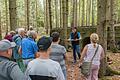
74,21
89,13
56,13
36,14
0,27
50,15
61,25
102,32
110,21
65,18
87,9
27,13
93,20
13,15
79,13
83,12
6,8
47,17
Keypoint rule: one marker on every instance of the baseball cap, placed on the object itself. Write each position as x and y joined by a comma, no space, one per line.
44,43
6,44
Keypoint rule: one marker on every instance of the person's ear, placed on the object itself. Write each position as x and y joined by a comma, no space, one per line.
9,52
49,49
37,55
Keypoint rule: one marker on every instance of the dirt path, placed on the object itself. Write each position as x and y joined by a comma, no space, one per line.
73,71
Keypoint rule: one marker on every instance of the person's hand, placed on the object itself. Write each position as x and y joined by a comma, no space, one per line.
76,39
80,64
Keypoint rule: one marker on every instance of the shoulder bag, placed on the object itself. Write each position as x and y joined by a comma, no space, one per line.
86,66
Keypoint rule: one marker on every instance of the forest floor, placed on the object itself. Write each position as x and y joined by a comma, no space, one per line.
73,71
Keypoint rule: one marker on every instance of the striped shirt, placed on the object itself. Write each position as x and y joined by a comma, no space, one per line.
58,54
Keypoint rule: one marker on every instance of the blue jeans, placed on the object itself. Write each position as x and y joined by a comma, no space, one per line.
76,49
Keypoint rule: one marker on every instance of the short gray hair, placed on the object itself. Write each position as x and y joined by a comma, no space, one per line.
31,33
20,30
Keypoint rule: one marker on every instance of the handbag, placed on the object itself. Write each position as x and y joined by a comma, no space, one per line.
86,66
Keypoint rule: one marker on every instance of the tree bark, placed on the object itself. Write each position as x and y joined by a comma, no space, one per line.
83,12
13,15
65,18
89,13
74,21
46,16
28,13
110,21
93,20
87,9
50,15
61,25
79,13
6,8
36,14
102,32
0,27
56,13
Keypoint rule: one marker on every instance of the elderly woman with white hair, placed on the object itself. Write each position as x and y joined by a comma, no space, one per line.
95,51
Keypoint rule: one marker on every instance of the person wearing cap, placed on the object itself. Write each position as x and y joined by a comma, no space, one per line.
58,52
9,70
16,54
74,38
29,47
43,68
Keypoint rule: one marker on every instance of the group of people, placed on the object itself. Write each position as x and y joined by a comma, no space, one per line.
44,59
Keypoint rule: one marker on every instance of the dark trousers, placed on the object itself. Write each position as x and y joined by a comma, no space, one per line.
76,49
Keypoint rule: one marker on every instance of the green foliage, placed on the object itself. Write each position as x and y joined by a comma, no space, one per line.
114,49
111,72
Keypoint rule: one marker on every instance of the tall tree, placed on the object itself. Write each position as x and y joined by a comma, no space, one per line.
79,13
61,25
65,19
93,19
28,13
83,12
102,31
6,9
74,20
111,24
50,14
0,27
56,13
87,4
89,12
36,2
13,15
47,17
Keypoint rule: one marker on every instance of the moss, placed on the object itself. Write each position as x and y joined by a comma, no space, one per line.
111,72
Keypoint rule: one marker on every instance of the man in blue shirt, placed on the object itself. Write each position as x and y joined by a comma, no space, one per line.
29,47
74,38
